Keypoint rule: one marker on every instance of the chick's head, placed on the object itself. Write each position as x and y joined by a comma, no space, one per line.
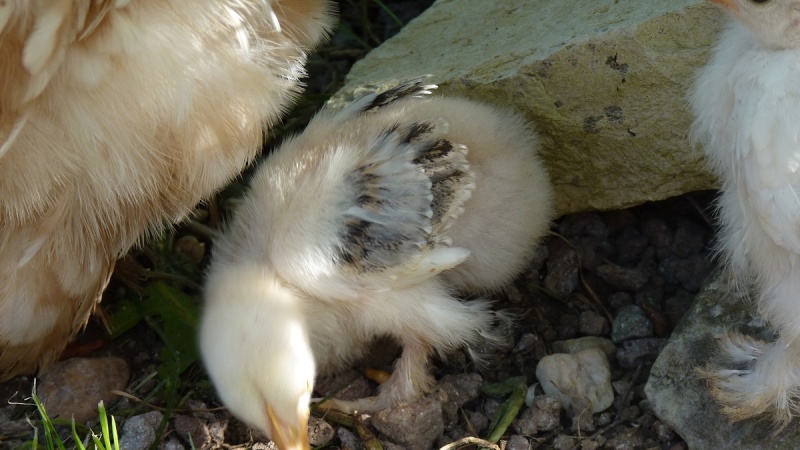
255,346
775,23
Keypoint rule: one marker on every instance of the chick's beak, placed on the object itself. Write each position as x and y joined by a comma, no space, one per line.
729,4
287,436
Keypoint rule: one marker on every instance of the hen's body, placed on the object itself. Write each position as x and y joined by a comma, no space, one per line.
116,117
747,106
365,226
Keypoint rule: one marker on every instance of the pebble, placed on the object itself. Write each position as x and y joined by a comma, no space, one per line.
619,299
479,421
320,432
592,324
193,430
563,442
630,322
413,425
689,239
581,381
73,388
348,440
659,234
563,269
630,244
622,278
585,224
632,351
455,391
517,442
139,432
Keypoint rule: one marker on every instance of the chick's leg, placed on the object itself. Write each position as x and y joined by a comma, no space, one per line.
764,377
409,380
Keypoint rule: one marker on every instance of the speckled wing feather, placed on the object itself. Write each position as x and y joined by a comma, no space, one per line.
409,189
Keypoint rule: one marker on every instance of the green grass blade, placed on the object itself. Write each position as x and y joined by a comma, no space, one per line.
78,443
101,409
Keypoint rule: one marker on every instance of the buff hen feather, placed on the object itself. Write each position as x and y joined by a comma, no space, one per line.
365,226
117,117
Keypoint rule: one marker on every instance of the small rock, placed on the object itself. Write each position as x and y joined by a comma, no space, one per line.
479,421
563,442
320,432
139,432
585,343
590,444
517,442
633,351
660,236
689,239
347,385
527,342
592,324
217,430
459,389
593,251
547,413
622,278
414,425
581,381
524,423
628,439
348,440
583,224
193,430
583,423
693,271
72,388
172,443
663,432
567,326
619,299
12,427
563,269
391,446
630,244
630,322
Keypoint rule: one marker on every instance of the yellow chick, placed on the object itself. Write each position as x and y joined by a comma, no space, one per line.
365,226
117,116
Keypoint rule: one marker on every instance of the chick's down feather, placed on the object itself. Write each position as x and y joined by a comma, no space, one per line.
116,117
366,225
747,107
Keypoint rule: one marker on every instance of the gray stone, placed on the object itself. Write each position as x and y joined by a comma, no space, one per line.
603,80
517,442
413,425
139,432
679,397
630,322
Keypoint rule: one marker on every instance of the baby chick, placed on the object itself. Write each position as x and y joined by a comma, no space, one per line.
365,226
747,107
117,116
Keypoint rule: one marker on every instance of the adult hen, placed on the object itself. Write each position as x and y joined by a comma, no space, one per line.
747,107
365,226
115,117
